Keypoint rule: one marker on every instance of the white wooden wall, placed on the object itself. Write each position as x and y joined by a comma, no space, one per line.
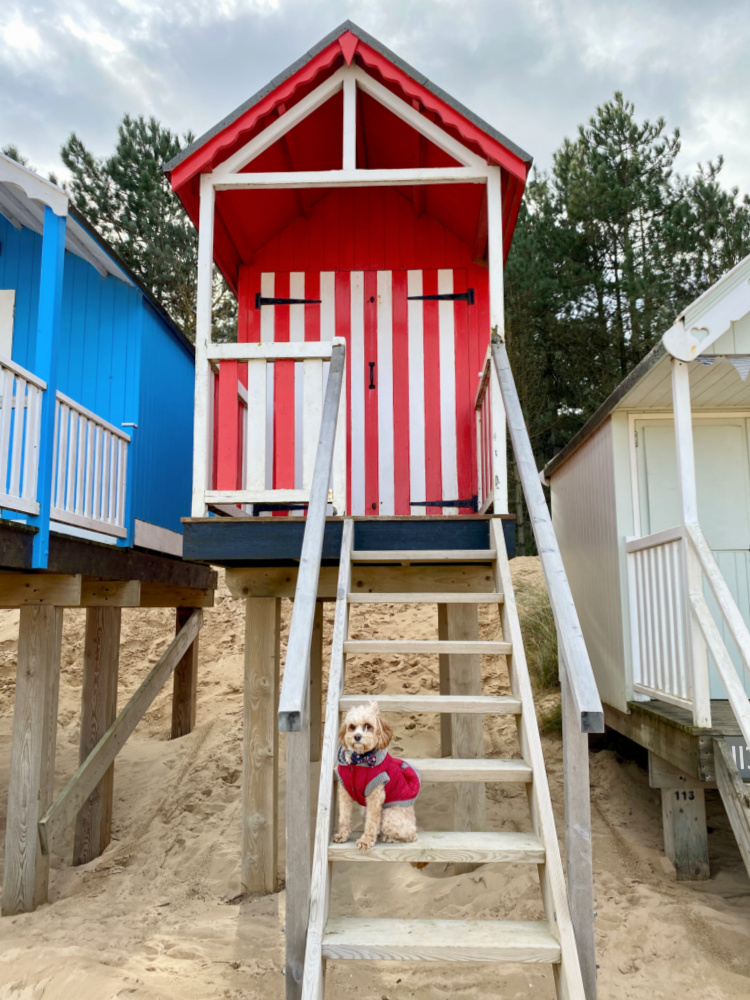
584,514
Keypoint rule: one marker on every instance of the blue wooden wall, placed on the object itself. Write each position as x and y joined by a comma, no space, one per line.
163,463
119,358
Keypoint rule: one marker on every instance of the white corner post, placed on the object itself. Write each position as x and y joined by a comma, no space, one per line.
497,325
349,159
203,418
692,573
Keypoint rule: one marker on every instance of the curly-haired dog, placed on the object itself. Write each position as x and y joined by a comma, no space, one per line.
369,775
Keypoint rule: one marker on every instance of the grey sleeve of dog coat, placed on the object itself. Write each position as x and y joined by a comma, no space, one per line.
377,781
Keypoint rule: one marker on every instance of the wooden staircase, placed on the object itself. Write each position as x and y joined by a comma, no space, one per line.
549,941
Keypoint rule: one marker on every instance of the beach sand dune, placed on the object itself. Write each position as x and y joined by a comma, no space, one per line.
160,915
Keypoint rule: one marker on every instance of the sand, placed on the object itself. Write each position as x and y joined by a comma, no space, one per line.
159,914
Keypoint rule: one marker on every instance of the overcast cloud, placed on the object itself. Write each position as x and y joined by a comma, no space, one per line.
534,69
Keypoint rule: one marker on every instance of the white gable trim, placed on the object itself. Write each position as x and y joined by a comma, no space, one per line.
349,78
33,185
711,315
273,132
412,117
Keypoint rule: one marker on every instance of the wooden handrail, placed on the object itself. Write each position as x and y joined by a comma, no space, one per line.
727,604
293,699
652,541
574,655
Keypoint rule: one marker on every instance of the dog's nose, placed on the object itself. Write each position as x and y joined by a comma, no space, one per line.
357,737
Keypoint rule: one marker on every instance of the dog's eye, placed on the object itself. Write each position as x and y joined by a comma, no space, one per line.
352,728
367,726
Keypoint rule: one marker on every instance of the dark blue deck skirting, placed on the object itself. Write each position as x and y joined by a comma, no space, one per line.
265,541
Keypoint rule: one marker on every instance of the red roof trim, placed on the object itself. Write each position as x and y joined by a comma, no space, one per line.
222,145
348,43
468,133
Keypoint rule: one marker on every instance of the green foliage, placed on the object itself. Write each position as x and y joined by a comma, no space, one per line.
610,246
14,153
539,634
550,720
129,200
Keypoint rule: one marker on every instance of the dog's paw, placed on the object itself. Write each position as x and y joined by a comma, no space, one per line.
340,838
365,843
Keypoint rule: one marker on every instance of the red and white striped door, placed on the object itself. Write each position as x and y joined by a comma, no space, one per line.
409,431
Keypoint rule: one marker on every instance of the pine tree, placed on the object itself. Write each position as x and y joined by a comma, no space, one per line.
129,200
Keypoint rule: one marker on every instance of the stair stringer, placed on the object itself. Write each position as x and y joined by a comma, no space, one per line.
567,973
313,976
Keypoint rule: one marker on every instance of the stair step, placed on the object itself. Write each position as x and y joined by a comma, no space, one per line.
478,848
402,598
440,941
466,703
467,647
479,769
424,555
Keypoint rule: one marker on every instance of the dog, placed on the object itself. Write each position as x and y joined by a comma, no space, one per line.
386,786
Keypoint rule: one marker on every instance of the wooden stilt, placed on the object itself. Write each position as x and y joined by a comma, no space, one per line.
683,812
579,859
185,691
98,712
446,720
465,672
32,758
298,861
260,746
316,683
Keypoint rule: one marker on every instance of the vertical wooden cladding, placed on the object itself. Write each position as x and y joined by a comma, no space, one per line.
363,253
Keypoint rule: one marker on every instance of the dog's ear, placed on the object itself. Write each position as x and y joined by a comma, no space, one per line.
385,733
342,732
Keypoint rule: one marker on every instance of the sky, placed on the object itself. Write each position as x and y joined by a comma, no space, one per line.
534,69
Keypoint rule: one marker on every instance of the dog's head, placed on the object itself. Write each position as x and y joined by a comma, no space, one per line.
364,729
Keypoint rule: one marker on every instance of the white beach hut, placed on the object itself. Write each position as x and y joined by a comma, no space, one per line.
651,504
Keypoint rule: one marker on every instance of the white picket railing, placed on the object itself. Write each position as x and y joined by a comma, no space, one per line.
20,425
89,471
257,416
658,617
489,420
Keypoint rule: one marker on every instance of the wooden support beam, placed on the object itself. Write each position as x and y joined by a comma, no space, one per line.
21,590
185,690
683,813
260,746
110,594
98,711
281,581
32,757
64,809
157,595
316,683
465,677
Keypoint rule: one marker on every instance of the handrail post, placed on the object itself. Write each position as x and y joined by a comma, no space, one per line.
579,863
294,702
692,574
583,689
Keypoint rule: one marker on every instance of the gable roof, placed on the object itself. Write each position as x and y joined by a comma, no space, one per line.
247,221
331,52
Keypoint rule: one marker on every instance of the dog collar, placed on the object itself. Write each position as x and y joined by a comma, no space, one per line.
371,759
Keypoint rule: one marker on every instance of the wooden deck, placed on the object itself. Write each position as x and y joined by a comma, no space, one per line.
668,732
277,541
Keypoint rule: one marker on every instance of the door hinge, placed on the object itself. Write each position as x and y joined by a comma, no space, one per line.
635,435
260,300
467,296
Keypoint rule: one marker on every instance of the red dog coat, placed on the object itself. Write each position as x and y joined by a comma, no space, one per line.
368,771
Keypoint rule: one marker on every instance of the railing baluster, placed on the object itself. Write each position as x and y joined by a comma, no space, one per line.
70,478
5,426
19,402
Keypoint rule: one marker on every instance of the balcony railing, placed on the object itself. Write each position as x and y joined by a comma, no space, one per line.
20,422
89,456
89,474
